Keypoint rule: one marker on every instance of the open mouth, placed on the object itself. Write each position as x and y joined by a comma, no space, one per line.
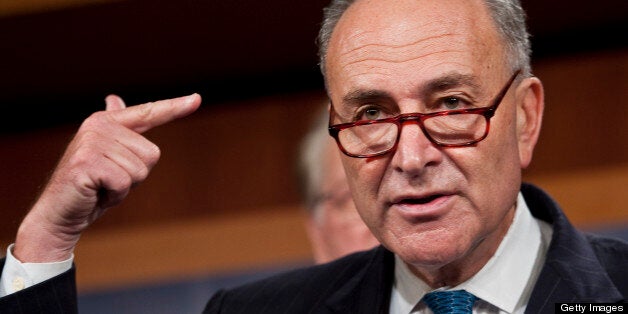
420,201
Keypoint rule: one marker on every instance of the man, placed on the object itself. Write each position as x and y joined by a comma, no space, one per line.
414,87
333,225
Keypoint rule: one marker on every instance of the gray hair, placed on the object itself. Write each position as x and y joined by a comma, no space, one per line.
508,15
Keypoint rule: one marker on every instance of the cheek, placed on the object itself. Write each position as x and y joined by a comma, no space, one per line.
503,149
497,155
360,176
364,177
492,171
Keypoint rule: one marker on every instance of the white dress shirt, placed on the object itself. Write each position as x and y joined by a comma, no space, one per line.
503,285
17,275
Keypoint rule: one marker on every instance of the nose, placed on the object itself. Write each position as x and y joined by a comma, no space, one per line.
415,152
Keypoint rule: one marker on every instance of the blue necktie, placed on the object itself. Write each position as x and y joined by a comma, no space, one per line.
450,302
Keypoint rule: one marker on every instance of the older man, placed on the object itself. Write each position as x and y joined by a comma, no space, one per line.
436,112
333,225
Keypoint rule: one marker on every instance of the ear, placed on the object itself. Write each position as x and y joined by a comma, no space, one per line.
530,104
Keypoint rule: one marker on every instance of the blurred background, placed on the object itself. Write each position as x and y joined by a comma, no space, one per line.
222,205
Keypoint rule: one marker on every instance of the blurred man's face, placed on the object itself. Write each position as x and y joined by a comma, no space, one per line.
431,205
336,229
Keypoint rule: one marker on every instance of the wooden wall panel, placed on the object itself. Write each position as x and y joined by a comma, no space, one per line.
586,116
191,248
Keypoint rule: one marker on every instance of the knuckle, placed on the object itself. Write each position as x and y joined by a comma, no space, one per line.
141,174
97,120
86,148
88,136
153,155
145,112
121,183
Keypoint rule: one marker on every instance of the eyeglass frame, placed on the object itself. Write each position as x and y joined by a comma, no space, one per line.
488,112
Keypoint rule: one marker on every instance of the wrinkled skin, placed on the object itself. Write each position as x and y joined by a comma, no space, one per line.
105,159
444,211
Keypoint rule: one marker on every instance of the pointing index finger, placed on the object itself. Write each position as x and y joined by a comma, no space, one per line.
142,118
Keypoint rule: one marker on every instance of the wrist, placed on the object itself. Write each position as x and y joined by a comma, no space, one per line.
37,241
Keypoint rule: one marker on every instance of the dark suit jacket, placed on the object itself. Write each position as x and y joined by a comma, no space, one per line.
54,296
578,268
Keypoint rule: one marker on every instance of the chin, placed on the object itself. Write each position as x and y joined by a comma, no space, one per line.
431,259
430,251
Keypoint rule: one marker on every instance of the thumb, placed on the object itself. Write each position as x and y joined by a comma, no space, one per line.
114,102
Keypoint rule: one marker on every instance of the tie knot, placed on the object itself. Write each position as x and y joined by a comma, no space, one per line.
450,302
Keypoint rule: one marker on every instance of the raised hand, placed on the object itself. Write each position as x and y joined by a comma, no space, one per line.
105,159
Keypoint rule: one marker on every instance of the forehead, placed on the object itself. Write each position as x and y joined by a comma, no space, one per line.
379,39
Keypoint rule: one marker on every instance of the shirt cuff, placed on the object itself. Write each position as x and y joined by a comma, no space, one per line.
17,276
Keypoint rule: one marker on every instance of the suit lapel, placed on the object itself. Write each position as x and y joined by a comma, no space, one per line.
571,270
368,291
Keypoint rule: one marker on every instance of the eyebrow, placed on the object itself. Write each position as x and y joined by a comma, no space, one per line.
442,83
449,81
361,96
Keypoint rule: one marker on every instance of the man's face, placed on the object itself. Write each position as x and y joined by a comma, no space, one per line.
335,228
433,206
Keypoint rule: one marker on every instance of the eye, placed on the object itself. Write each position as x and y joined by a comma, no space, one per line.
452,103
369,113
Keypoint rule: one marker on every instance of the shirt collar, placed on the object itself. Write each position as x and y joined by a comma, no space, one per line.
505,281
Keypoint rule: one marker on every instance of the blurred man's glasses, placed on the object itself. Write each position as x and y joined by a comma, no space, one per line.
450,128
